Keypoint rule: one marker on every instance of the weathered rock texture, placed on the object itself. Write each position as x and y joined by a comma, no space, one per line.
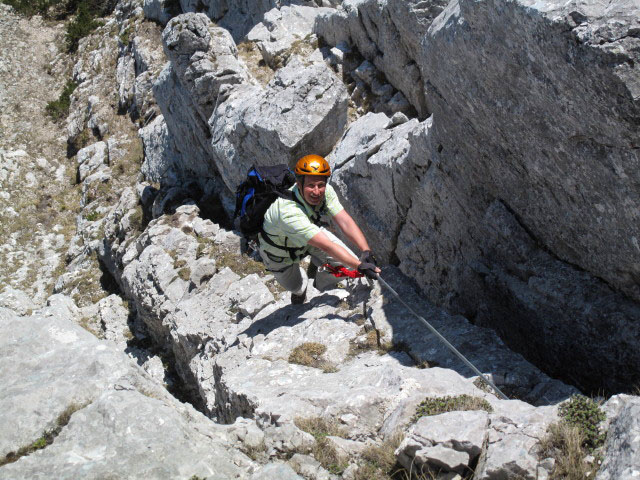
54,372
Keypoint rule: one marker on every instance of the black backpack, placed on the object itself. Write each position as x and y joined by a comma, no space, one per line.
255,195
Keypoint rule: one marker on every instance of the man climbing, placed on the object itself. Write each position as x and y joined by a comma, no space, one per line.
292,229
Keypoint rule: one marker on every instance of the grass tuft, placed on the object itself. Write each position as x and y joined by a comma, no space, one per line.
310,355
576,436
184,273
437,405
323,451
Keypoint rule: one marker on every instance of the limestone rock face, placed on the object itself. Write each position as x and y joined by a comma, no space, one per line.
161,158
495,224
376,155
569,179
204,58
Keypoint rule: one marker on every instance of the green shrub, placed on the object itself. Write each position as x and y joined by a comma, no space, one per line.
93,216
586,415
59,109
82,25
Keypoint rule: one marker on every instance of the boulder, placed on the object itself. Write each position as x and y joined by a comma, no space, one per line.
302,110
513,442
622,448
451,441
281,29
17,301
92,158
162,160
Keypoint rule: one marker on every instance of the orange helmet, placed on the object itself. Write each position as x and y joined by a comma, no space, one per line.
312,165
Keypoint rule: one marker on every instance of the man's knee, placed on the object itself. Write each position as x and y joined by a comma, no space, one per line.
292,279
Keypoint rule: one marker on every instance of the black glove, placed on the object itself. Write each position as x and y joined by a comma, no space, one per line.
367,256
368,269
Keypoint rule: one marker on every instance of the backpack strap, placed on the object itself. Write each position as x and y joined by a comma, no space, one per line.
294,252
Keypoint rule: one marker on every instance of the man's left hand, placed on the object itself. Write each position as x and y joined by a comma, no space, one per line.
367,256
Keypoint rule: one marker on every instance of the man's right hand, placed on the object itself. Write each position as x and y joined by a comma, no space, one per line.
369,270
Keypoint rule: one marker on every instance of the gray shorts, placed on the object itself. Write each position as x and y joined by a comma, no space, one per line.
292,278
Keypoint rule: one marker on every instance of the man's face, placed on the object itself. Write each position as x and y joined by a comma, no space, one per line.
313,189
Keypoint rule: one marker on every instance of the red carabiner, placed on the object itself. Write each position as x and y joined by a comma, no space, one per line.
341,271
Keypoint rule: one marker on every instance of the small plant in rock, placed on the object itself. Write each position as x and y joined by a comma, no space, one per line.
136,220
185,273
47,438
437,405
323,451
256,452
310,355
321,427
93,216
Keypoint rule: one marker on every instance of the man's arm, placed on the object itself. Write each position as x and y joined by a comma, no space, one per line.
351,230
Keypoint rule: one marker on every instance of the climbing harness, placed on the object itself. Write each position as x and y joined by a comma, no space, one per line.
445,341
345,272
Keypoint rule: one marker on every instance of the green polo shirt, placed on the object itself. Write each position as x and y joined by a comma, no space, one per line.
288,223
